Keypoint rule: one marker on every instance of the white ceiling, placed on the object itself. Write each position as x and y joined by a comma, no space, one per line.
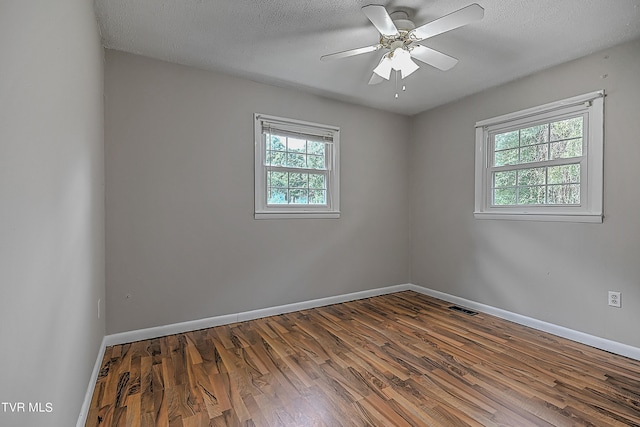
281,41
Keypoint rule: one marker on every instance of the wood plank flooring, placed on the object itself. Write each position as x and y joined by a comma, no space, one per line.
403,359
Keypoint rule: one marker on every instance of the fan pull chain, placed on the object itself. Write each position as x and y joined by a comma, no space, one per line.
396,84
404,87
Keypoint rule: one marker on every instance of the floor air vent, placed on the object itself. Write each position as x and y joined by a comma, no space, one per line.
463,310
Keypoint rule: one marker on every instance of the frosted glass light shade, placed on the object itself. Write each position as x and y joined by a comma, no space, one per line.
402,62
399,60
384,68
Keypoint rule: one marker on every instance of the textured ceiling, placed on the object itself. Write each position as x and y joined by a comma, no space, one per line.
281,41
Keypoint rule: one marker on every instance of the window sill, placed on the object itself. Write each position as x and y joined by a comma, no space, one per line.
586,217
297,215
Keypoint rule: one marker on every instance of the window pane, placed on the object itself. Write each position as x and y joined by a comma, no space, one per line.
276,143
534,135
531,195
506,157
295,160
564,194
314,147
315,162
277,179
565,129
276,158
317,197
298,196
291,188
533,153
316,181
277,196
298,180
533,176
504,179
506,140
566,149
564,174
297,145
504,196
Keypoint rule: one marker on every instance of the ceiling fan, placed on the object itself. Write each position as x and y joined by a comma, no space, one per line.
400,38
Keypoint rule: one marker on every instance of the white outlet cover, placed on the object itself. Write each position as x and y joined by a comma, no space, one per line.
614,299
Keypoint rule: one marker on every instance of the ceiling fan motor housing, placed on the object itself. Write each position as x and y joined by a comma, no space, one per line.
404,25
403,39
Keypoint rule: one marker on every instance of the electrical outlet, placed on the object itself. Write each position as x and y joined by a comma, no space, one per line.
615,299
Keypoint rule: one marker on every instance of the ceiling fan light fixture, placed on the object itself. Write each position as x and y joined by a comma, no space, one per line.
406,71
384,67
402,62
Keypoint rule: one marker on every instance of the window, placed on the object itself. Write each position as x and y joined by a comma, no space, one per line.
543,163
296,169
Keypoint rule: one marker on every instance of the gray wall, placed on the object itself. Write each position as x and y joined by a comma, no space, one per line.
51,206
181,238
556,272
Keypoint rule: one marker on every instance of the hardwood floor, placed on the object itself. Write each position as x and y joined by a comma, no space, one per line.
403,359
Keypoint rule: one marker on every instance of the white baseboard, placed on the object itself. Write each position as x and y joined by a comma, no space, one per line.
561,331
210,322
84,410
176,328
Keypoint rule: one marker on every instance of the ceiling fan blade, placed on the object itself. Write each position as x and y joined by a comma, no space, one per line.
375,79
449,22
433,57
380,19
351,52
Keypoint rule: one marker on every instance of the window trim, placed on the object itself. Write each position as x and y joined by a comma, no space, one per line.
591,105
262,210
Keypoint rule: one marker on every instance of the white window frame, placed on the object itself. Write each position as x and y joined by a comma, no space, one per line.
331,134
590,209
